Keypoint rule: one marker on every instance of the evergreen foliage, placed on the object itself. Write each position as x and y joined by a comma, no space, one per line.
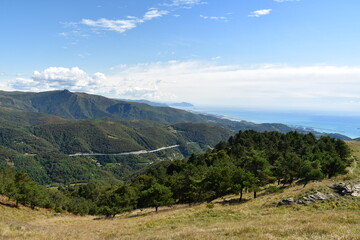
156,196
247,161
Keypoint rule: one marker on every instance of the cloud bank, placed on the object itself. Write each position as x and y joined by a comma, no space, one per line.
76,79
59,78
265,86
207,83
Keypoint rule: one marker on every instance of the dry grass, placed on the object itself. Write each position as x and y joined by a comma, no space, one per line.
254,219
354,171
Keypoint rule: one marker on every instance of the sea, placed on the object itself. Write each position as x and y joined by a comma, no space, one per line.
343,123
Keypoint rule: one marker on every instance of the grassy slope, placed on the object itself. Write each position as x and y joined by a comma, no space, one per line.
254,219
354,171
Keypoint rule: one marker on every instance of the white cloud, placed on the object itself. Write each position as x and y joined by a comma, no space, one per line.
76,79
271,86
128,22
214,18
265,86
154,13
123,25
59,78
111,25
259,13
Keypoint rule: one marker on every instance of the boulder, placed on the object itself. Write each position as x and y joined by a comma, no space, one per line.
342,188
318,197
347,189
356,190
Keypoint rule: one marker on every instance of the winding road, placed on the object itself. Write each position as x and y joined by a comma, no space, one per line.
125,153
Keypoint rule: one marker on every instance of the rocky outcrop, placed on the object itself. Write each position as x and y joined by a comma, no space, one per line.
318,197
340,189
347,189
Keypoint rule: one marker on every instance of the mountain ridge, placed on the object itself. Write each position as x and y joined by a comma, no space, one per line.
77,105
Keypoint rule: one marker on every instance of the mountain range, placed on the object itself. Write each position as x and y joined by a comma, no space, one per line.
40,130
75,105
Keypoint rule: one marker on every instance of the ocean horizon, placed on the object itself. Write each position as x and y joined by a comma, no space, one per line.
345,124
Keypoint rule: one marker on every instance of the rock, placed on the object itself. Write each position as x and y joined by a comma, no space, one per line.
318,197
339,188
300,202
287,201
342,188
347,189
356,191
332,195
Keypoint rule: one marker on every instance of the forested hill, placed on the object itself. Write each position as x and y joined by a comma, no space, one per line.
42,150
72,105
10,117
248,161
39,130
75,105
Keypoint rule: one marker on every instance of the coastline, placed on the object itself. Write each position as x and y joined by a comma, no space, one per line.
322,122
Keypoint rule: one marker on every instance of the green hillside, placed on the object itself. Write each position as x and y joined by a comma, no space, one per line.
42,151
84,106
98,136
248,161
223,218
39,130
10,117
76,105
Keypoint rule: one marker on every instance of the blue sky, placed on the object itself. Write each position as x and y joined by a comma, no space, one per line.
273,54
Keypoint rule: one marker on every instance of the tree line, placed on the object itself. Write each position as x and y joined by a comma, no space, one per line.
246,162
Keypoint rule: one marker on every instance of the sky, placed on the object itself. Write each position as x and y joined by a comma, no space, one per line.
263,54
